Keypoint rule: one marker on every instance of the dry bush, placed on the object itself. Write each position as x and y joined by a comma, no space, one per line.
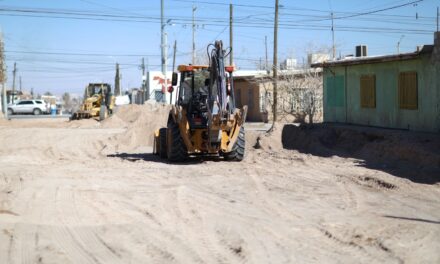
299,95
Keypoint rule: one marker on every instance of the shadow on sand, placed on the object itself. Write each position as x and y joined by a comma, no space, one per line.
413,219
405,154
150,157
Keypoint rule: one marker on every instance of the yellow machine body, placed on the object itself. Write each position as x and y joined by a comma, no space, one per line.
98,102
225,127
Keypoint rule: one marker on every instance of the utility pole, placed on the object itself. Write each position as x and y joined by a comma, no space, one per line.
14,72
117,81
3,76
143,69
143,79
147,83
162,33
275,64
174,54
266,66
20,82
163,47
174,66
166,69
333,38
194,34
231,34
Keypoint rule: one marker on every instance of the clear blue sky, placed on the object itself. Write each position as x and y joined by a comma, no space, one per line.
57,54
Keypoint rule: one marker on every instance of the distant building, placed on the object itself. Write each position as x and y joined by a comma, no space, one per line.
250,91
289,64
255,89
136,96
394,91
317,58
159,87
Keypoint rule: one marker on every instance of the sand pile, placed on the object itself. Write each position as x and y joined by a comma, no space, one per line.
270,142
2,118
331,139
404,150
140,122
84,123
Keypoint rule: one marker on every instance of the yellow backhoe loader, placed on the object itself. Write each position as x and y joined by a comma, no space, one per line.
204,119
98,102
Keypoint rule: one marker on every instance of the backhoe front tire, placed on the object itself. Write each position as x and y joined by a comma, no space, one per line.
163,143
176,149
237,153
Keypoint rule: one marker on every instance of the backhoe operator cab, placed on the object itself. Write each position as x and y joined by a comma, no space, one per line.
196,94
204,119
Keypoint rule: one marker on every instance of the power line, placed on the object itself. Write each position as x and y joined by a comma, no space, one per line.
301,9
82,54
222,4
380,10
178,20
79,62
281,25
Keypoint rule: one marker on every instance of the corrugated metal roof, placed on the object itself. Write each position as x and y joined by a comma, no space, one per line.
375,59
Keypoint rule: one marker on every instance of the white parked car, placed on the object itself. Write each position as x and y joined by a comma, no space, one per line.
35,107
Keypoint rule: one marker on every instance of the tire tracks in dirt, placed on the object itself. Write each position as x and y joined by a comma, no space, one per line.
79,240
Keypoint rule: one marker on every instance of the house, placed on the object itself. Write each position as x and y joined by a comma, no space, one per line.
158,86
249,90
299,94
136,96
399,91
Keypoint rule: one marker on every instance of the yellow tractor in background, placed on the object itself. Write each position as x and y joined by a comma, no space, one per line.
98,102
204,119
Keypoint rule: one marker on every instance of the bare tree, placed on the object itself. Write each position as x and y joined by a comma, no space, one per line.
201,57
299,95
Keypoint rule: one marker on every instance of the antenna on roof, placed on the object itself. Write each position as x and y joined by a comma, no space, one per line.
437,17
398,44
417,10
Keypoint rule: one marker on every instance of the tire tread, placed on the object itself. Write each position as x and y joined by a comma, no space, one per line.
177,151
237,153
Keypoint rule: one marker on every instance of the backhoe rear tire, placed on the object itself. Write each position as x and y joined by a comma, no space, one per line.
176,148
237,153
102,112
163,143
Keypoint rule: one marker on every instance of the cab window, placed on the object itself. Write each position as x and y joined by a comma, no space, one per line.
25,103
192,82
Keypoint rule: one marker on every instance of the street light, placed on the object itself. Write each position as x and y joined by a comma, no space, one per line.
165,56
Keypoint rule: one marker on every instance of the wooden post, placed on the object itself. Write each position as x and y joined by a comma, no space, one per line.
275,64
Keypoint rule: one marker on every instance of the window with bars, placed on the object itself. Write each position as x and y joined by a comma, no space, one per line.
408,91
368,91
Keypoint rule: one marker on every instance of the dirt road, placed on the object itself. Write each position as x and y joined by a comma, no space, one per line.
70,194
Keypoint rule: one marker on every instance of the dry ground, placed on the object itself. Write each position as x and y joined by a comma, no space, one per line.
73,193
